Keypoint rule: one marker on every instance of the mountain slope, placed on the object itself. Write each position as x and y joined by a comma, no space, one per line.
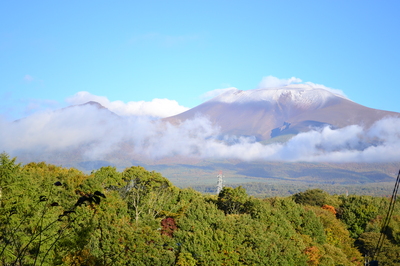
266,113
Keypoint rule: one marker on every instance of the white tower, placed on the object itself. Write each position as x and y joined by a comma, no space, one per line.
219,183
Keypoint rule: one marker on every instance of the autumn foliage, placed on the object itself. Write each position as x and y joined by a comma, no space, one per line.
329,208
51,215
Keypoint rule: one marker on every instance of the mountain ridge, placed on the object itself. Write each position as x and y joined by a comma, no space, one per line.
261,112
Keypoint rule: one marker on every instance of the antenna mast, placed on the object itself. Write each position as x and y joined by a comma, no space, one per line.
219,183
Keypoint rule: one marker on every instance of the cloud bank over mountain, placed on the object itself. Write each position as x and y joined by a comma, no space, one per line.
155,108
271,82
213,93
274,82
97,133
135,130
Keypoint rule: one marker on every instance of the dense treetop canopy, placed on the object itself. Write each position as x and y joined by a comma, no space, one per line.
51,215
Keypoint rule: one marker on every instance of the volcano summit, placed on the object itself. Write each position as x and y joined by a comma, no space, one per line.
288,110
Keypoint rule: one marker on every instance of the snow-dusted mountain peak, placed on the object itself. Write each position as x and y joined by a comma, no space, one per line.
301,95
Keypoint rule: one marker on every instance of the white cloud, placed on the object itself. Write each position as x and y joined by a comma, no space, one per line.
154,108
379,143
273,82
211,94
96,134
28,78
84,97
320,86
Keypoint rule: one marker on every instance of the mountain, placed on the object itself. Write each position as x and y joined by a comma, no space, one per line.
94,105
89,136
272,112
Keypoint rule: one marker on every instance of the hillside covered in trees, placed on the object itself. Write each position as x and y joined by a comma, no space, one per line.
51,215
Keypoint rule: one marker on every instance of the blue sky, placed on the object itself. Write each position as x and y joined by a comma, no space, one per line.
133,51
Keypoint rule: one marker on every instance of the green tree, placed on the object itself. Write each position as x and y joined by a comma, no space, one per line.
337,234
185,259
9,172
357,211
232,200
39,212
312,197
389,253
146,192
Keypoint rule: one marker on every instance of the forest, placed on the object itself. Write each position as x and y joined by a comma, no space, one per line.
50,215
